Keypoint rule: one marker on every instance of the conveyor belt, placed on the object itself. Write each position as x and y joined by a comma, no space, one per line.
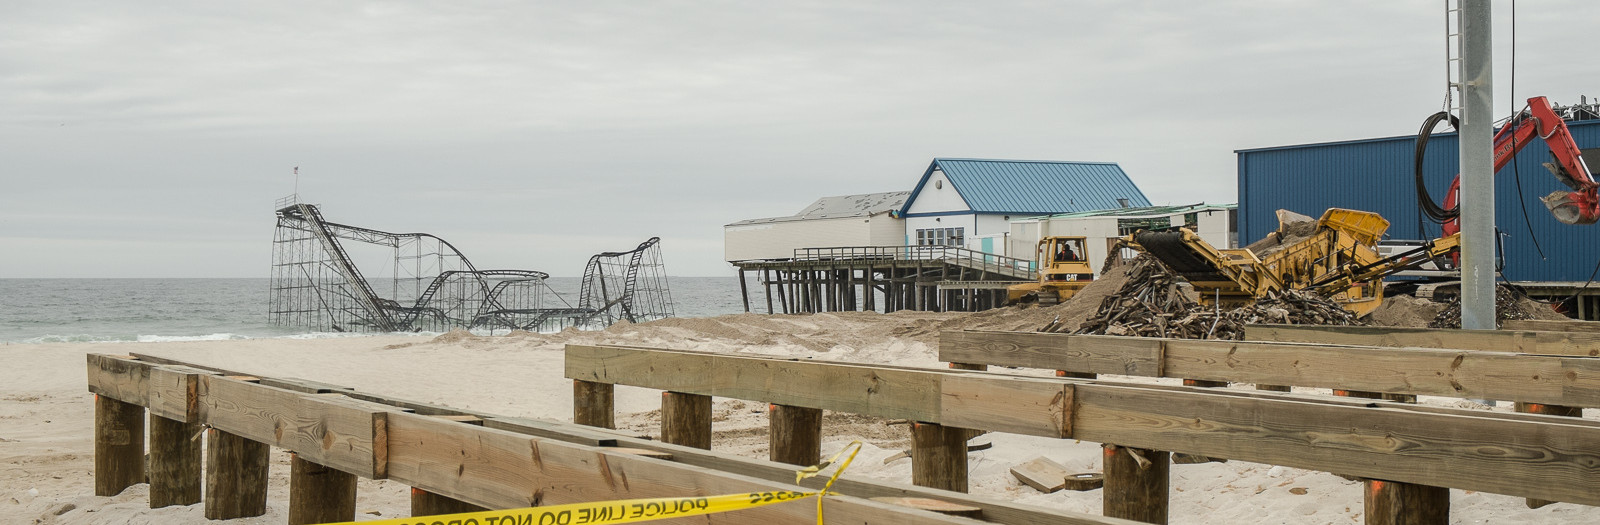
1180,256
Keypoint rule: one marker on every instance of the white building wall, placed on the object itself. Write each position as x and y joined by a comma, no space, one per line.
938,195
778,240
886,231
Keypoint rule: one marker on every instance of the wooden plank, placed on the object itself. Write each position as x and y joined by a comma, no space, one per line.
1573,325
499,469
1570,381
1042,474
1097,354
1453,373
866,390
304,386
1524,342
1033,406
570,433
120,378
174,392
1544,459
327,429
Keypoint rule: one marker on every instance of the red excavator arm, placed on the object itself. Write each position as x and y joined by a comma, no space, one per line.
1580,206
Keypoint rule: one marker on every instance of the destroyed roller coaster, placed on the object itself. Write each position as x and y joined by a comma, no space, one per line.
425,284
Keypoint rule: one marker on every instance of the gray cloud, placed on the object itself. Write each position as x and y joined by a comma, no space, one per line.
151,141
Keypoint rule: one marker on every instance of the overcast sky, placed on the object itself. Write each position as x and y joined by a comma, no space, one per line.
150,139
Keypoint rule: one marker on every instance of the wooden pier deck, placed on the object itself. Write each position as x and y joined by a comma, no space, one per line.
883,278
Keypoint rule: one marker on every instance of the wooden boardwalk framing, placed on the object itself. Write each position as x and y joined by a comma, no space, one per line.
1533,456
472,459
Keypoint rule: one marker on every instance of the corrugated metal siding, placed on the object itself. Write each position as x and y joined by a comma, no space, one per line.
1376,175
1005,186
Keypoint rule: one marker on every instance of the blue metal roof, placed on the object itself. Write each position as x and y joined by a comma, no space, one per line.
1375,175
1038,187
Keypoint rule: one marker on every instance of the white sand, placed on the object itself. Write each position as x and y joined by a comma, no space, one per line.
46,417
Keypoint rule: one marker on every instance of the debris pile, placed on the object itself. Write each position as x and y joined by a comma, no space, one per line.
1152,304
1509,305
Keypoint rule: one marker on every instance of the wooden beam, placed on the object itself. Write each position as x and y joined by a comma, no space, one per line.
1097,354
498,469
236,476
318,494
856,389
939,456
118,445
327,429
1136,483
1556,380
794,434
1542,458
175,461
1571,325
686,419
593,404
1516,341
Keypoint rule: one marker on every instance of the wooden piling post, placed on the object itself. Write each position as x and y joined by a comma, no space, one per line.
175,460
1552,410
1136,483
118,445
236,476
939,456
593,404
318,494
744,291
1392,503
686,419
795,434
424,503
766,284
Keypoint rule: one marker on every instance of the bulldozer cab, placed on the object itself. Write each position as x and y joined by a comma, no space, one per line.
1064,259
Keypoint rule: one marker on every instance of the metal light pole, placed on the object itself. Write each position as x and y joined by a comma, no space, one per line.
1477,168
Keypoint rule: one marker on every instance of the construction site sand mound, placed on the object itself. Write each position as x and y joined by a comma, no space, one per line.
1405,311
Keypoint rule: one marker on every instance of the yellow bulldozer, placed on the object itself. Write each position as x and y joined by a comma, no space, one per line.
1336,257
1064,269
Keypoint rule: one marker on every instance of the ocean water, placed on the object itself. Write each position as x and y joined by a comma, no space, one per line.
151,310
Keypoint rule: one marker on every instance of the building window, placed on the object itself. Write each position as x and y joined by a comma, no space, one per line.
941,237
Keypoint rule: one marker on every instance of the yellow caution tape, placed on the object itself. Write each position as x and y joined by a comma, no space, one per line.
634,510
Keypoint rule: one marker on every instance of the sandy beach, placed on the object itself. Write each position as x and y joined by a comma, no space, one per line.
46,417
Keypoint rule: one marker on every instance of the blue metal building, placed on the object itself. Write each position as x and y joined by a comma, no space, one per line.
1376,175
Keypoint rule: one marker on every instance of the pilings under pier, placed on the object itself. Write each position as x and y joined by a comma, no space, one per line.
812,286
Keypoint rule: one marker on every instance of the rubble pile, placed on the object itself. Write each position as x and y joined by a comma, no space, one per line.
1152,304
1509,305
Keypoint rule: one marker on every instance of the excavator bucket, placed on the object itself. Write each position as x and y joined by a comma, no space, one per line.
1366,227
1566,207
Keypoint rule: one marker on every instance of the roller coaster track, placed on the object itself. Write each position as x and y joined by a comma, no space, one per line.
364,295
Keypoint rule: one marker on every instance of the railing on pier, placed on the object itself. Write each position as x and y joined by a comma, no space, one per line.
974,259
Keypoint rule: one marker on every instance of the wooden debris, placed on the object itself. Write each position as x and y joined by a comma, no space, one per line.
1152,304
933,505
1085,481
1509,305
1041,473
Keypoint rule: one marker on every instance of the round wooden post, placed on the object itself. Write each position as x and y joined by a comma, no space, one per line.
424,503
1392,503
1136,483
686,419
318,494
795,434
939,456
593,404
1553,410
175,476
118,445
236,476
